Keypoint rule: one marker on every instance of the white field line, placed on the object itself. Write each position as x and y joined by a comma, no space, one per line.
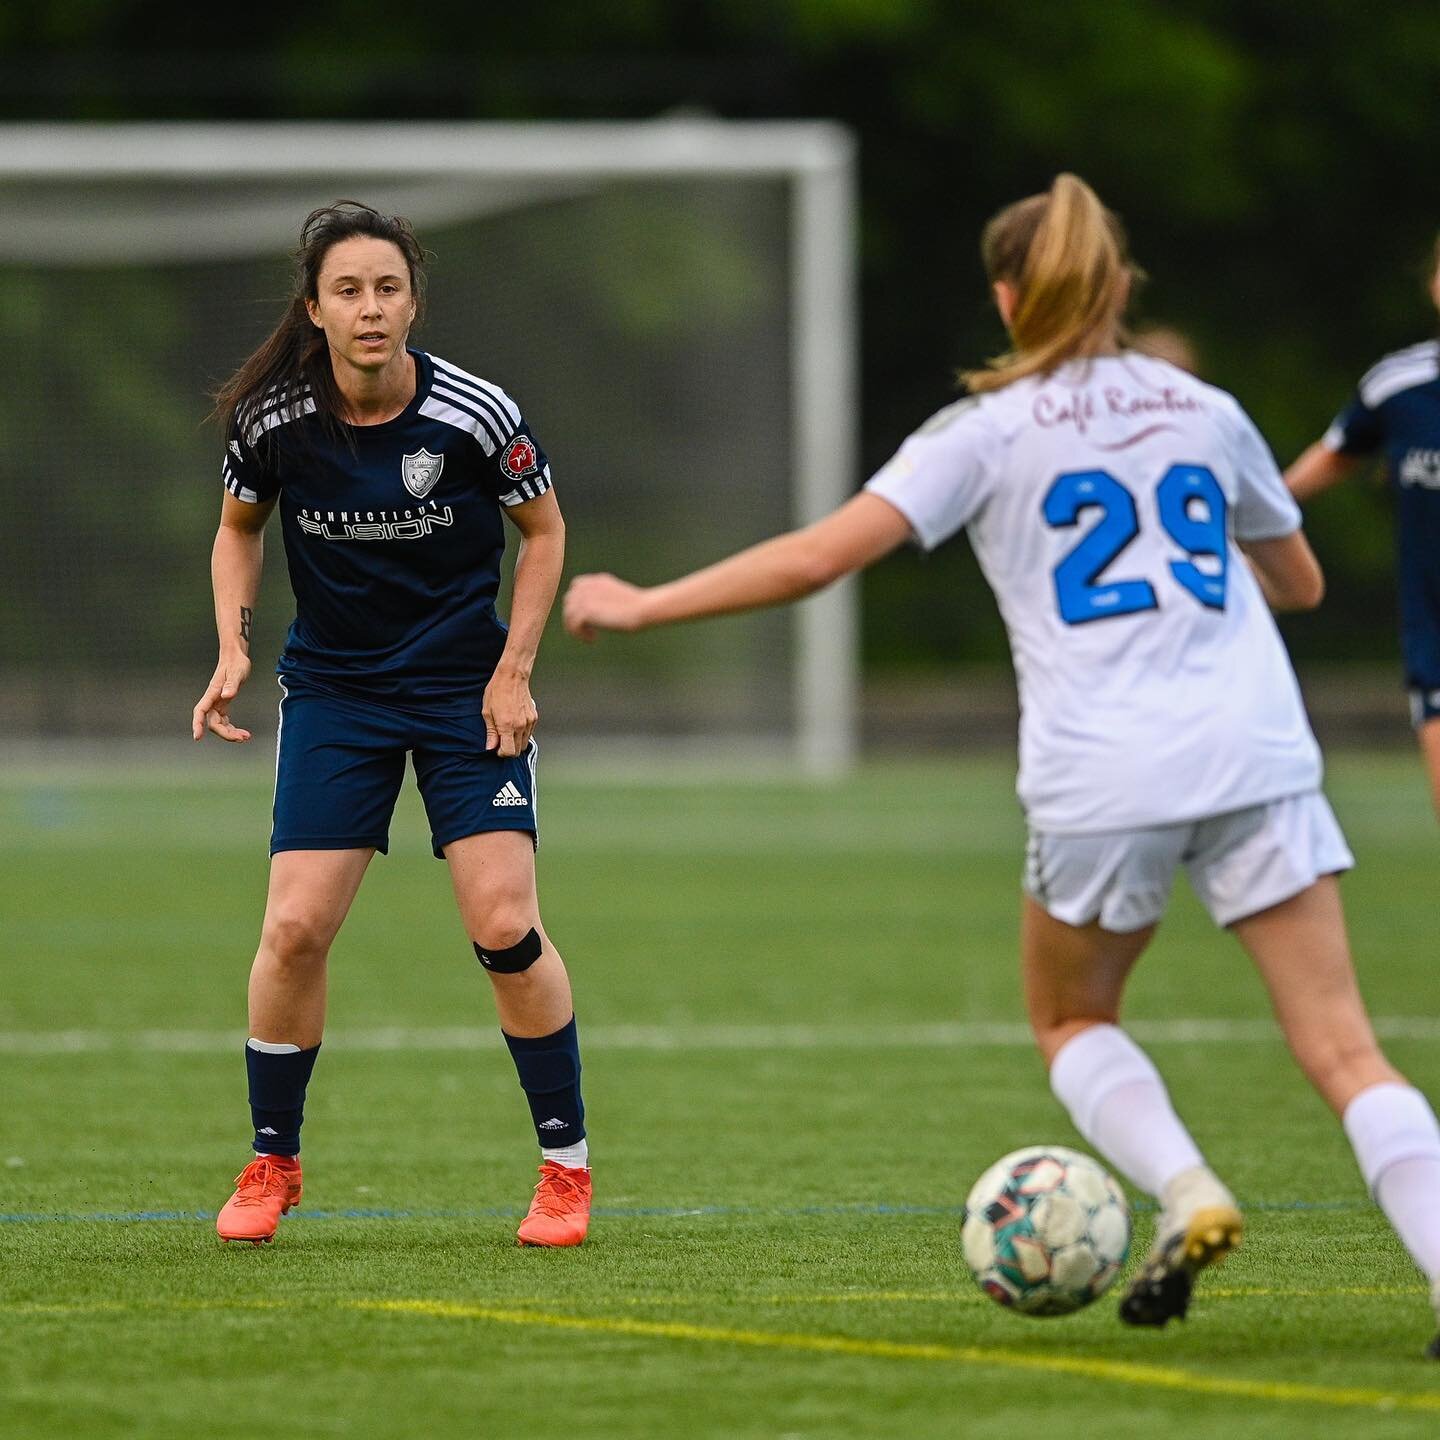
938,1035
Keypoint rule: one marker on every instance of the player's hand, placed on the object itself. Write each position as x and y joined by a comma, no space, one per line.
602,602
509,712
213,711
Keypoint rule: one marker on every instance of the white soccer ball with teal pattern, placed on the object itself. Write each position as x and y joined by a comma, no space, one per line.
1046,1230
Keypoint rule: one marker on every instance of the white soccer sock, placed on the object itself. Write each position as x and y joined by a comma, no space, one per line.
1397,1142
572,1157
1120,1105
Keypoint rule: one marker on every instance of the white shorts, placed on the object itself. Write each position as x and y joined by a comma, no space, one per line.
1239,864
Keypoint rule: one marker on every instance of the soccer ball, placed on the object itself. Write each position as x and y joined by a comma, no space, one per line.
1046,1231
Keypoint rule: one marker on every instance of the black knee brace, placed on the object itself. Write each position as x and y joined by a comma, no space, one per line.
519,956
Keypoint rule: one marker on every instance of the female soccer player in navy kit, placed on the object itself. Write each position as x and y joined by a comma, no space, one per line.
1133,525
392,470
1396,409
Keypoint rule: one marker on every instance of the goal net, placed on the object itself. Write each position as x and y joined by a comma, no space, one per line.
670,302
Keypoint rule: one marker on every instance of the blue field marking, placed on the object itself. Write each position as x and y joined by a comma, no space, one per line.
613,1212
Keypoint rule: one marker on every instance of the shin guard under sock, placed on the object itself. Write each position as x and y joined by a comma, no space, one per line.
278,1077
549,1071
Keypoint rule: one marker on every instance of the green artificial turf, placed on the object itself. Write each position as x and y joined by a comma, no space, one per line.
783,1130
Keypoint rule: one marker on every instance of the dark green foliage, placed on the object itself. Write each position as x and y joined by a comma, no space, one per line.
1269,158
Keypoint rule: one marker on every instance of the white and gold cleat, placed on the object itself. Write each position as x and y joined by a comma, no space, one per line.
1199,1226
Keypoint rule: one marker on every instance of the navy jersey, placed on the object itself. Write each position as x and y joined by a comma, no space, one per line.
394,539
1397,410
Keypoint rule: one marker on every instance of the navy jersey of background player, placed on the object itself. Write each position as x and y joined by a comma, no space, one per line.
394,539
1397,410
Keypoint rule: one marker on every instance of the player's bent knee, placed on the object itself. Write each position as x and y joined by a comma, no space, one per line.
1340,1071
511,959
295,939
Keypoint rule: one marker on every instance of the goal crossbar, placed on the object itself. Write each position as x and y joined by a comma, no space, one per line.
664,147
818,160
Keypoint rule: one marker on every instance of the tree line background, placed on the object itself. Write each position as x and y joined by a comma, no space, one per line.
1274,163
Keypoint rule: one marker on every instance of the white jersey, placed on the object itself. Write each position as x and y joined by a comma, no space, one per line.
1103,504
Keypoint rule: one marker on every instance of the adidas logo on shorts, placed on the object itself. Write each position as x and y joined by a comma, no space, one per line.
509,795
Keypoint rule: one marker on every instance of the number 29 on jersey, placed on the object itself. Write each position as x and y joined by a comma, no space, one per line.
1192,512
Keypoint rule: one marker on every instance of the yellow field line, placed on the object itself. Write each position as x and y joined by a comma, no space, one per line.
1121,1372
1308,1292
1118,1371
893,1297
792,1297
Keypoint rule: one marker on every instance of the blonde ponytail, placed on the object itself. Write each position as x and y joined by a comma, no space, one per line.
1065,254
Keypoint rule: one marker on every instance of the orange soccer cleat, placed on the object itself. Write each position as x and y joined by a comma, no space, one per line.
560,1212
264,1191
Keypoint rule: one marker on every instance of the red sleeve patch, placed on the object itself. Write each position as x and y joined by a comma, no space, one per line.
519,458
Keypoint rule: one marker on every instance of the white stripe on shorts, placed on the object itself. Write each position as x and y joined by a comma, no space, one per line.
532,754
279,731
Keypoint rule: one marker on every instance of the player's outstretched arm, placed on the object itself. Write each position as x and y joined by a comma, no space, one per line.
508,707
1318,469
235,565
775,572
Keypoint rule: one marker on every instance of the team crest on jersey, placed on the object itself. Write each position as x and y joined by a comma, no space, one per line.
420,471
520,459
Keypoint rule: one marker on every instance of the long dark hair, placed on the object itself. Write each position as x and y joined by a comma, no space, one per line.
294,356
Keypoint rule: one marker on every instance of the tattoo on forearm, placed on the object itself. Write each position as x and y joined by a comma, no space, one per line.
247,621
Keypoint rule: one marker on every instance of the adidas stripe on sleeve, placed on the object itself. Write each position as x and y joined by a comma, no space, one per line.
485,412
1358,428
243,473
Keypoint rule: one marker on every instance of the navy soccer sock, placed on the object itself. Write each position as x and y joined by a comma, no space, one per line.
278,1077
549,1070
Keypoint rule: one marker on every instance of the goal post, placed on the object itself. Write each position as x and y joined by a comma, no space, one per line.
673,302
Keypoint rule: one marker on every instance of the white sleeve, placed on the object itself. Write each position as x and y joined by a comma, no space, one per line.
942,474
1264,508
244,472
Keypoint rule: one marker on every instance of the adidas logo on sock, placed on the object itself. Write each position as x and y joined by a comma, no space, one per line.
554,1123
510,795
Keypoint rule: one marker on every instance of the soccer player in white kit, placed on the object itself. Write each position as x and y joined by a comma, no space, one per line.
1137,534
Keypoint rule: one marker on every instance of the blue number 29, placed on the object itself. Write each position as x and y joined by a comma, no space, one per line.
1192,511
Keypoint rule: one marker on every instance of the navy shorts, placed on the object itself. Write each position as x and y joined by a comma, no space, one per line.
1420,645
340,761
